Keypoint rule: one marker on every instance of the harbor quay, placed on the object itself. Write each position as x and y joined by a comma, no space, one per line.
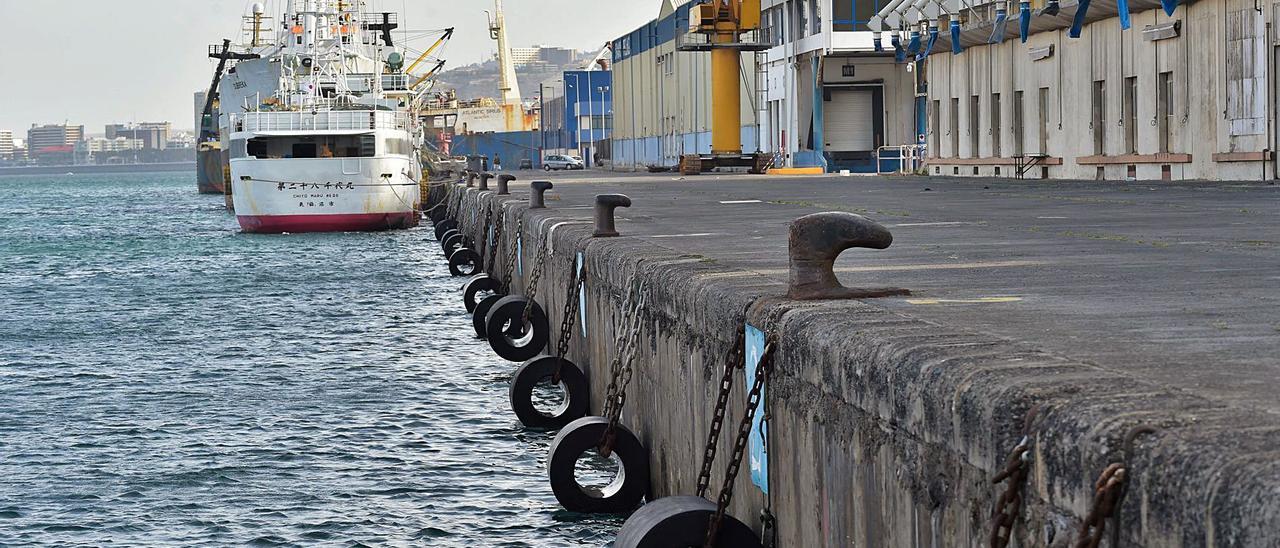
1038,364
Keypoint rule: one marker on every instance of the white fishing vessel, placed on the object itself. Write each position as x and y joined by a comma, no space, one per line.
321,131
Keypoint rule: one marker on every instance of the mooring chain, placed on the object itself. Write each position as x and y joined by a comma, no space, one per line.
534,277
763,369
1108,494
733,361
513,256
488,220
623,366
496,240
620,337
1009,505
570,318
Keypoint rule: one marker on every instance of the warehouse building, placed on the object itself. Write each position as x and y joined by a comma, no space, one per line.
662,96
1162,90
833,96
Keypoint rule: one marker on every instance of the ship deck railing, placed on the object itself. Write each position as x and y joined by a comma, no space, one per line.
325,120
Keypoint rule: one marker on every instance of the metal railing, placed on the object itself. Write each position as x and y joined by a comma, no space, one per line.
910,158
328,120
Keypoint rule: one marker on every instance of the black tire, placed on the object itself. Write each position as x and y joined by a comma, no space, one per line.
574,383
518,342
437,214
445,226
454,242
477,284
445,237
465,262
681,521
481,312
582,435
546,168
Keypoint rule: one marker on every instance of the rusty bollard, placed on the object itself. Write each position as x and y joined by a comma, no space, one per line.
537,200
503,181
815,242
605,204
484,180
471,179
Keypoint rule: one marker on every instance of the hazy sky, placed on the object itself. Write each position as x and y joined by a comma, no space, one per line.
95,62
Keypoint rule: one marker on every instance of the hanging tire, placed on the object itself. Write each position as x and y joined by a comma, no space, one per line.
629,487
681,521
572,381
447,234
509,337
481,313
452,242
445,226
465,262
478,284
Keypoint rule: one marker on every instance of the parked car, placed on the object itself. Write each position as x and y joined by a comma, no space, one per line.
557,163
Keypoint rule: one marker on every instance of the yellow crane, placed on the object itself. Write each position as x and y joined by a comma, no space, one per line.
448,33
725,24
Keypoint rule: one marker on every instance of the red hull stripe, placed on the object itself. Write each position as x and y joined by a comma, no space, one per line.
356,222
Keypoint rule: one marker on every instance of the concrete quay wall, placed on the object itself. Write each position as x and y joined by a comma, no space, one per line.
887,430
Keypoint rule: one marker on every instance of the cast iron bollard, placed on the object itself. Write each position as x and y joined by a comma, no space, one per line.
536,198
503,181
605,204
471,179
816,240
484,180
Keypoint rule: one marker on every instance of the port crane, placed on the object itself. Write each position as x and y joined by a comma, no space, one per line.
726,28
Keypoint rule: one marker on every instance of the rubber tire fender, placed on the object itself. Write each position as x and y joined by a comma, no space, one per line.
473,287
572,381
465,257
453,241
481,312
445,237
681,521
510,309
445,226
582,435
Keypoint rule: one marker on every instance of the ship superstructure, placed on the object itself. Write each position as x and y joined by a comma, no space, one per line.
321,131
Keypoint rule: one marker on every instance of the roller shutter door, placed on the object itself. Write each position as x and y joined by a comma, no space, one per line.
848,121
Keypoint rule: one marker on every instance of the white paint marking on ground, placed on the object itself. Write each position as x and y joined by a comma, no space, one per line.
695,235
915,267
949,223
1052,217
733,202
947,266
983,300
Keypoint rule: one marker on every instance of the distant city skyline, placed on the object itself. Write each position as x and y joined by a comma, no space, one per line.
60,62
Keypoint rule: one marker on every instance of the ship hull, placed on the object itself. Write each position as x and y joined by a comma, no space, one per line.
324,195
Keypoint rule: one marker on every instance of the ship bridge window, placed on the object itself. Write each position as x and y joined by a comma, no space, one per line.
312,146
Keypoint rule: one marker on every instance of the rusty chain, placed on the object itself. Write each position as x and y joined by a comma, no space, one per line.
570,318
1009,505
740,443
513,256
534,277
733,361
495,239
1108,494
622,367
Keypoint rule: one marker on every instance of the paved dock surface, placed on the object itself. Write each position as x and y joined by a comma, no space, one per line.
1173,283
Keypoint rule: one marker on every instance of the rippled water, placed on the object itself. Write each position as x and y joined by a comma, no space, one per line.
165,379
